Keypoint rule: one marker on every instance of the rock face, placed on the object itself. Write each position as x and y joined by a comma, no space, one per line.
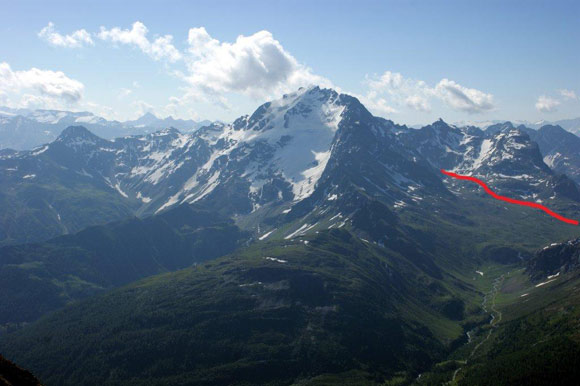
554,259
12,375
505,157
559,149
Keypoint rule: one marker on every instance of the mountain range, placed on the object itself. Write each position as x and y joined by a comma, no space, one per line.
310,148
571,125
24,129
307,243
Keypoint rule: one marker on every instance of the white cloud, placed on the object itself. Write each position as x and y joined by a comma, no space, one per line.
52,84
417,102
124,92
546,104
178,109
416,94
462,98
255,65
142,108
161,48
77,39
400,90
376,104
568,94
391,82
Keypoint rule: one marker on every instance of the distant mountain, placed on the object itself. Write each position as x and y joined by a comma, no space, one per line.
560,149
23,129
150,122
503,156
571,125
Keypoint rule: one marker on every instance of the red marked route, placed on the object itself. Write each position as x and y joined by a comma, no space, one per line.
507,199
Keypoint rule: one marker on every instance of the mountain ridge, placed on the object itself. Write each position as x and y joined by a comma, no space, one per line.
291,153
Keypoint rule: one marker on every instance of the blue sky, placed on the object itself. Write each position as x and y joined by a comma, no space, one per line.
409,61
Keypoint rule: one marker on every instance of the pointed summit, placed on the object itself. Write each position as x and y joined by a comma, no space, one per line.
147,119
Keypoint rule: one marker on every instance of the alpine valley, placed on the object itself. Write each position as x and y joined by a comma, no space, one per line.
309,243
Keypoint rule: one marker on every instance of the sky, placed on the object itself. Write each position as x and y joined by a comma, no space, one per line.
409,61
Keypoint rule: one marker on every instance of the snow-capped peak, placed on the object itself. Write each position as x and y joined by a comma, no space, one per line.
282,147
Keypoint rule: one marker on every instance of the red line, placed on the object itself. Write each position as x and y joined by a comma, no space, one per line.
507,199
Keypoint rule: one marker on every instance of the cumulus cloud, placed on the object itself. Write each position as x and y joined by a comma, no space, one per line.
77,39
376,104
399,90
462,98
417,94
568,94
255,65
51,84
160,48
546,104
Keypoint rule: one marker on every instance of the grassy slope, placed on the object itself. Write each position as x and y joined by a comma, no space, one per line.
535,338
336,305
340,308
538,341
39,278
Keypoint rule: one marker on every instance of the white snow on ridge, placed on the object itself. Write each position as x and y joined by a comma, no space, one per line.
296,132
308,126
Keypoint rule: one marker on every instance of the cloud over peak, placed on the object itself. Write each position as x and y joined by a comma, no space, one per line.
255,65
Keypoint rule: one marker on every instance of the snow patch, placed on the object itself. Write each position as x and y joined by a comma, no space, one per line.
265,235
275,259
143,198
